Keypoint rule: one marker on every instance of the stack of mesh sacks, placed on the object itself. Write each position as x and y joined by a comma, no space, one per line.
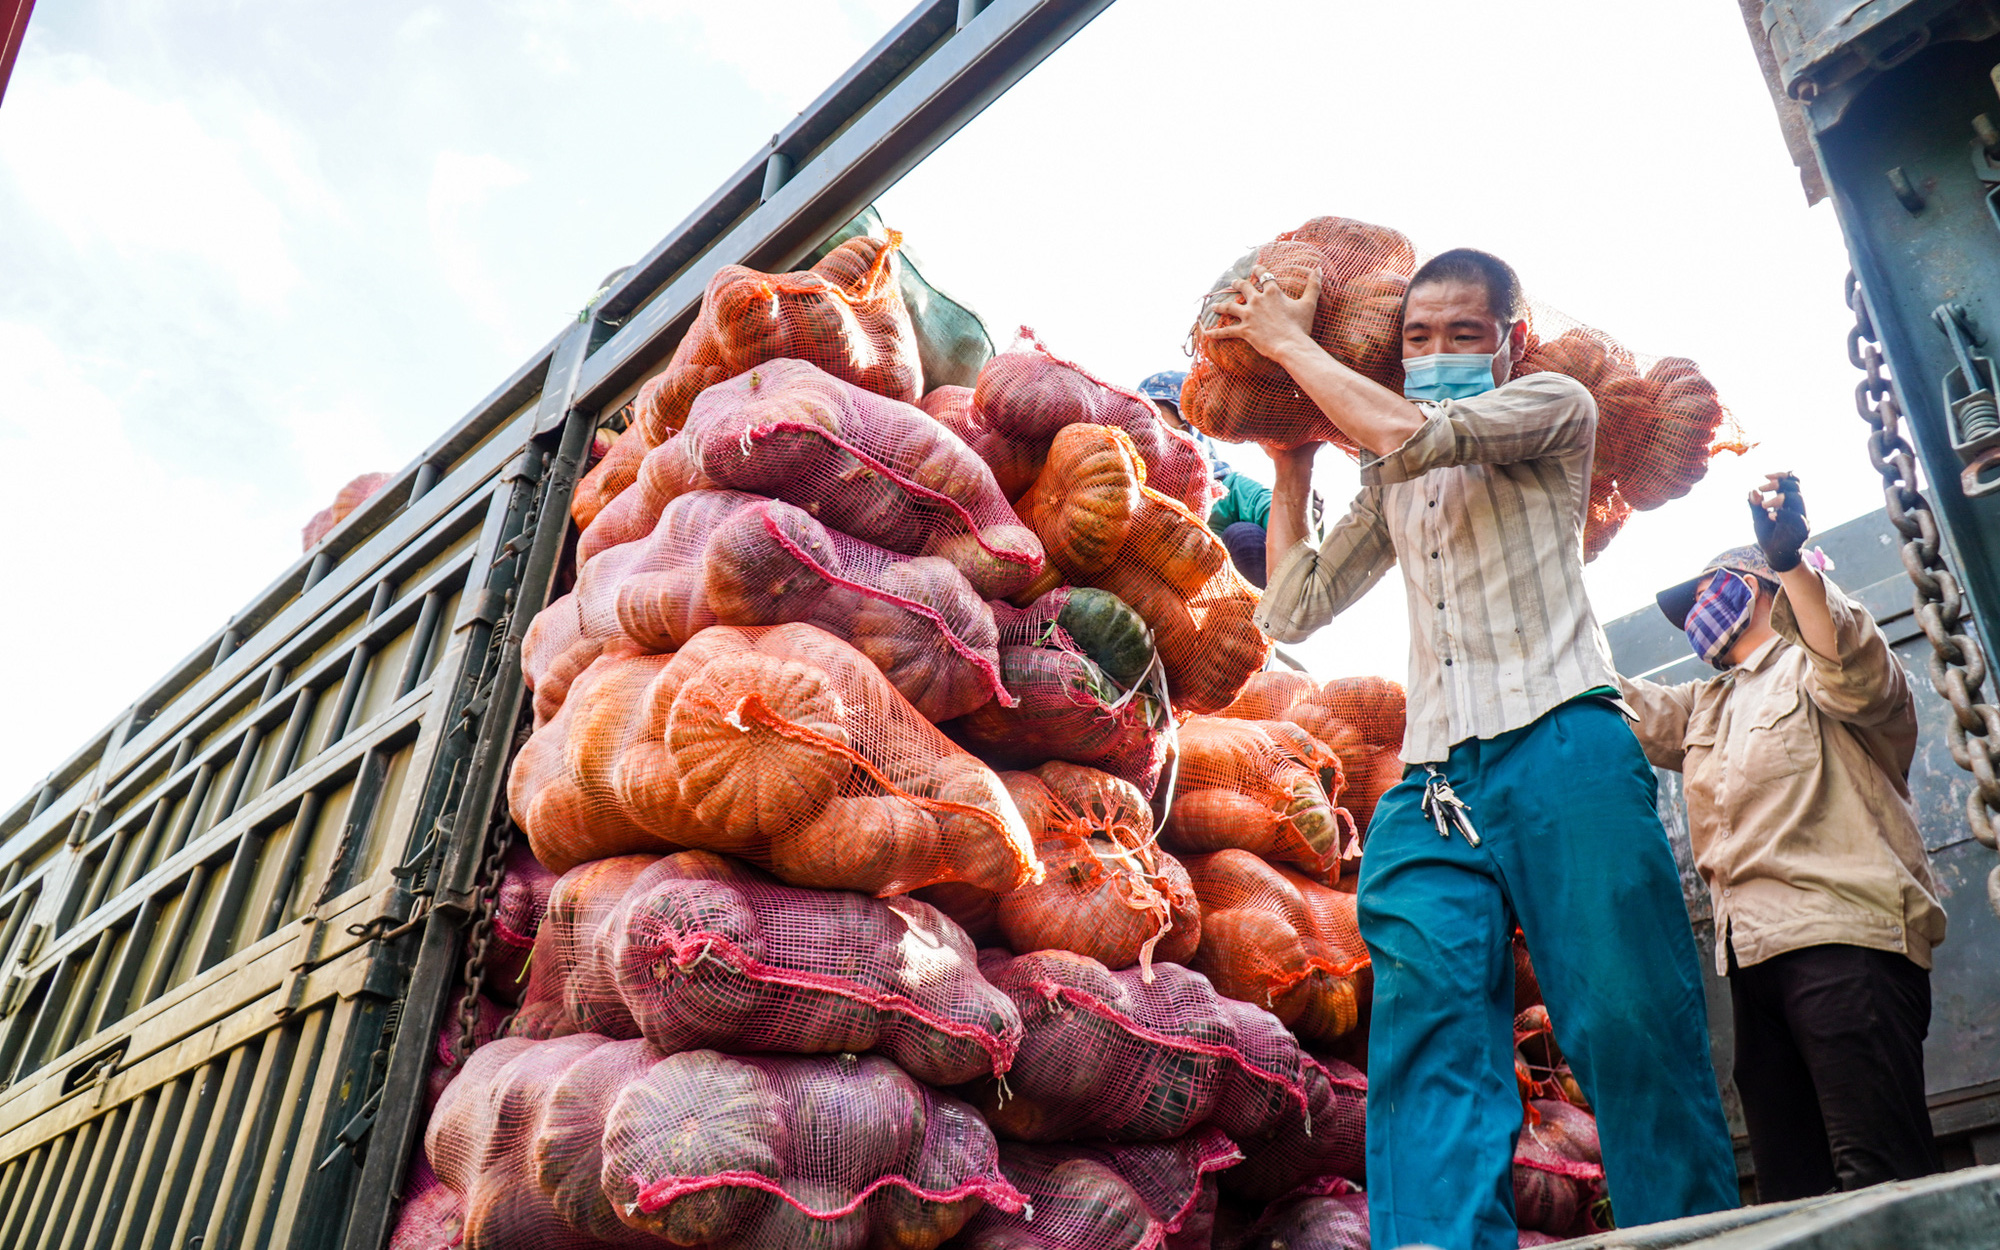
1659,420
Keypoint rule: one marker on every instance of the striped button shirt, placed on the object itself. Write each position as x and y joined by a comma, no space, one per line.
1484,506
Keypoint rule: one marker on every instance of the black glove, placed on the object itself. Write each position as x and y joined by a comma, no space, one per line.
1781,538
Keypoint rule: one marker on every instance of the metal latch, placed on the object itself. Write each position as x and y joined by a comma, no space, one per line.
354,1133
1972,398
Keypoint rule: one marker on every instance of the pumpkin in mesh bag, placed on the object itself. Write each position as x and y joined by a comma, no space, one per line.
1313,1152
1276,938
1558,1169
730,558
1360,719
1209,644
1113,1056
1256,786
697,950
1026,396
1315,1222
870,467
1143,1196
1110,893
744,1154
844,315
430,1214
784,745
610,476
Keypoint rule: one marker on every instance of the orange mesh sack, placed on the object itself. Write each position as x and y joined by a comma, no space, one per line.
1145,1196
730,558
1276,938
1257,786
1112,1056
1076,663
1359,718
1319,1152
345,501
1102,525
1558,1170
784,746
697,950
845,315
1026,396
865,466
1234,393
609,477
555,651
580,1141
1109,892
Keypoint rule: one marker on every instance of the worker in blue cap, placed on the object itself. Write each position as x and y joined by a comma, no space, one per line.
1239,518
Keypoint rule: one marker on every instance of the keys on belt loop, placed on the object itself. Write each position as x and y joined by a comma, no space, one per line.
1445,809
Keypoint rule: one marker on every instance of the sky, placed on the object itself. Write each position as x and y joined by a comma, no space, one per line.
249,251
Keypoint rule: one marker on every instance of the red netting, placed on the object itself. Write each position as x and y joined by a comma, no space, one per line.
1319,1152
1025,396
1149,1196
1258,786
581,1140
1114,1056
696,950
448,1055
432,1216
1057,658
518,903
1339,1222
865,466
609,477
782,745
1359,718
346,500
1540,1068
1658,426
1558,1170
731,558
1275,938
845,315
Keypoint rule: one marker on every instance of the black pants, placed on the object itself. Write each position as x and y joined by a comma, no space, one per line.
1830,1065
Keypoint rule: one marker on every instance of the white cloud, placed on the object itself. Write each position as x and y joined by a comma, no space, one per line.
148,178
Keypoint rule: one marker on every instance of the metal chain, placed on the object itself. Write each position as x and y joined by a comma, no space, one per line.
1958,663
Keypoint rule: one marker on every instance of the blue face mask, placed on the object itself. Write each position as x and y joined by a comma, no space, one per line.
1448,375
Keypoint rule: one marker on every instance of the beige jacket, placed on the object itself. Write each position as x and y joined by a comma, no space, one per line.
1798,801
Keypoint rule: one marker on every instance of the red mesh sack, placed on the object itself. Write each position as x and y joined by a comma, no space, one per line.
1257,786
872,468
579,1141
845,315
1320,1152
1278,939
1234,393
345,501
1113,1056
784,746
448,1053
1147,1196
1060,659
1025,396
432,1217
518,903
609,477
1558,1170
730,558
1337,1222
1109,892
696,950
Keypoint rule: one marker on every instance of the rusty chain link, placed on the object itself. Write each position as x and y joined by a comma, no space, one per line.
1958,663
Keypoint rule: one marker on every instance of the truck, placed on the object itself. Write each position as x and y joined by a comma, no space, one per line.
232,922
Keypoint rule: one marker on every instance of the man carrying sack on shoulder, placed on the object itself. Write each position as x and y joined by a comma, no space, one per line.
1526,799
1797,760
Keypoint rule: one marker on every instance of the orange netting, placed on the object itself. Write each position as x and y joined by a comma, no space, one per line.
845,315
783,745
1113,1056
1360,719
696,950
346,500
1146,1196
865,466
579,1141
617,469
1278,939
1658,426
1257,786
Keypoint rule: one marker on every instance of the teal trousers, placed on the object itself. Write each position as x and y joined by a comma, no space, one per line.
1571,850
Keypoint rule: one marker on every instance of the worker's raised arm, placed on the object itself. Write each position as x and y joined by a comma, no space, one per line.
1541,415
1663,718
1309,586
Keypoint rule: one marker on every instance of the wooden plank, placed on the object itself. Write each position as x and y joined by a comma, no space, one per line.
282,1162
